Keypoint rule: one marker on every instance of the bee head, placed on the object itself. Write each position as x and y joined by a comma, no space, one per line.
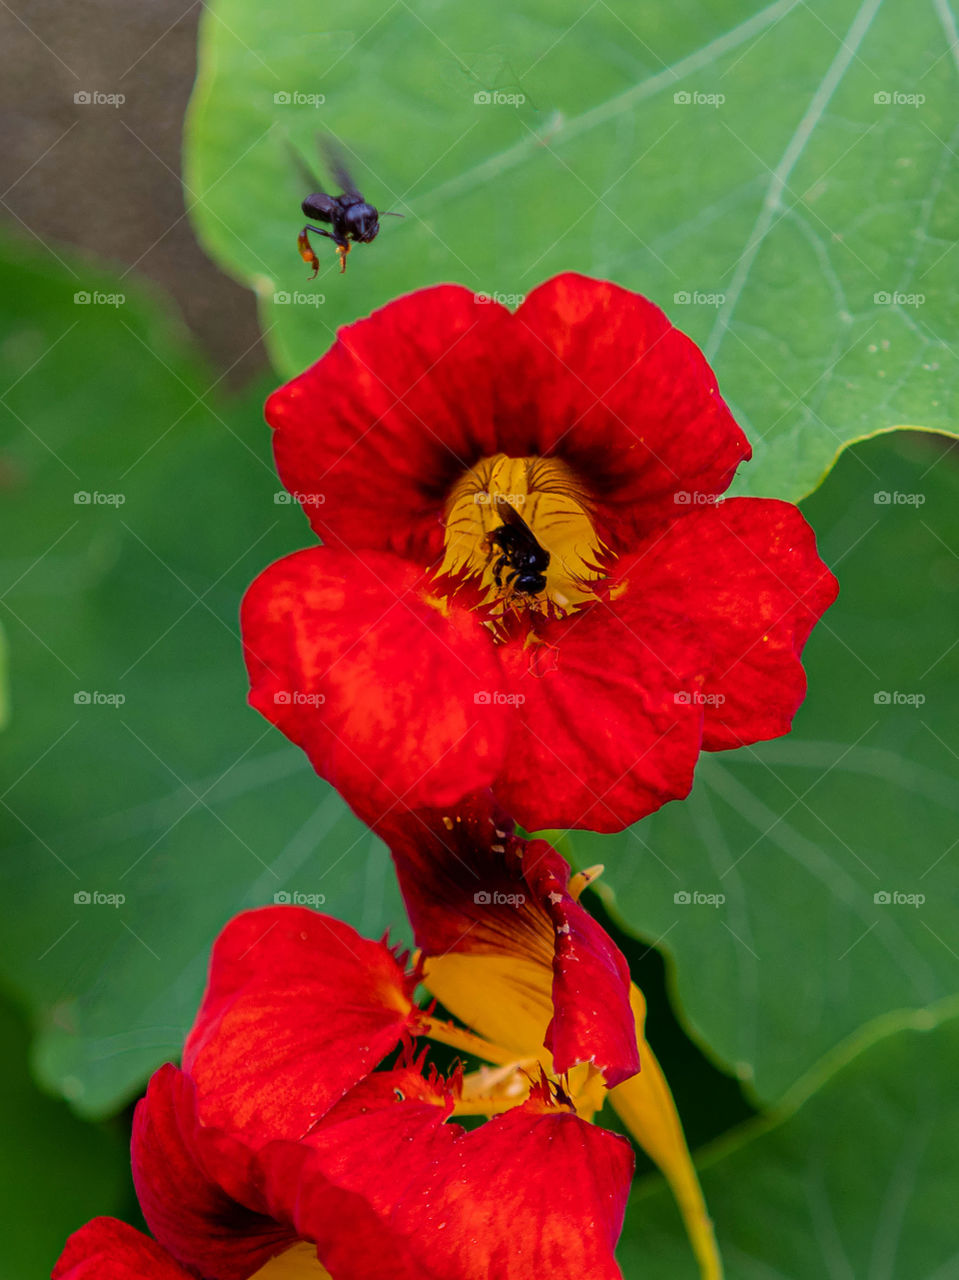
362,222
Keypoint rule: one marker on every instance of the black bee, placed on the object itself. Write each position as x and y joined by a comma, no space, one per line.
351,217
520,557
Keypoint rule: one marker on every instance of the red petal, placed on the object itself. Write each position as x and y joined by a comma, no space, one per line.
627,400
375,684
593,1019
473,889
599,740
373,435
701,651
353,1241
298,1009
107,1249
753,586
182,1167
187,1210
527,1194
386,1088
371,438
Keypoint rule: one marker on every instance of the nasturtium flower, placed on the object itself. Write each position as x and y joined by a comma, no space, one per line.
529,580
508,949
308,1136
286,1150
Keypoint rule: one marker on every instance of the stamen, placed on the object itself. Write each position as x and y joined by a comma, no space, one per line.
459,1038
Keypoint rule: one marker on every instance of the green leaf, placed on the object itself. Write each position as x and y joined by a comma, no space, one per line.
180,798
4,681
56,1171
859,1179
771,225
801,834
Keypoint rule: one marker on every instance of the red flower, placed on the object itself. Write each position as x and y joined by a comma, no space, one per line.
510,951
279,1151
529,581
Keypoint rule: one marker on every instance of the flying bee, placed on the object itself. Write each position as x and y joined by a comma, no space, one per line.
351,217
516,554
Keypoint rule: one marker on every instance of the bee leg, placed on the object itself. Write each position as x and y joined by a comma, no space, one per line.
342,249
307,254
306,249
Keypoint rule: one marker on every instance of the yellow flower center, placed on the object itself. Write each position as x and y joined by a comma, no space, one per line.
521,529
299,1262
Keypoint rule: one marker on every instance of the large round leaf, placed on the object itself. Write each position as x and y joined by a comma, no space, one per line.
775,177
858,1180
136,508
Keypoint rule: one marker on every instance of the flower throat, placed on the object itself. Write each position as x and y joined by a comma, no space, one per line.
520,530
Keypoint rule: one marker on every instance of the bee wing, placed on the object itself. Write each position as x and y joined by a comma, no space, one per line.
509,515
308,179
336,162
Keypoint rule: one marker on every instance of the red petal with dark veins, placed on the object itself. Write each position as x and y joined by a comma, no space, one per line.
374,434
107,1249
298,1009
627,400
377,685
